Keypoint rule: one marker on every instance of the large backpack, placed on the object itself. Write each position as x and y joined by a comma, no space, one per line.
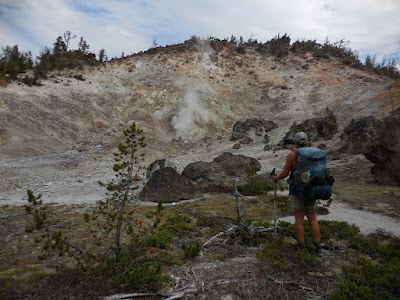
310,178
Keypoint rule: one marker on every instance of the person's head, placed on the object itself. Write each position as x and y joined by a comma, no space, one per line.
300,139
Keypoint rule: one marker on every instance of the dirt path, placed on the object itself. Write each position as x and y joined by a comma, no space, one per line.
367,221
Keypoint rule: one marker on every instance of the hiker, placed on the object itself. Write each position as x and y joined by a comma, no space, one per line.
300,206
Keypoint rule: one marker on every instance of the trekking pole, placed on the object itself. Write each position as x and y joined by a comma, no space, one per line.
273,173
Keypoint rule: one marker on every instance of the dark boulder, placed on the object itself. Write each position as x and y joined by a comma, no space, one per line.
267,138
241,128
316,129
384,151
359,134
268,147
246,141
168,185
237,146
219,175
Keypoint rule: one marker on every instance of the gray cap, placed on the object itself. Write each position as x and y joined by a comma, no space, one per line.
301,138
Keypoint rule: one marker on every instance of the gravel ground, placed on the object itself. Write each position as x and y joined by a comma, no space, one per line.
368,222
71,178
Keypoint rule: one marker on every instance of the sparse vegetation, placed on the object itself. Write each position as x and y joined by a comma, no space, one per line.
60,56
370,261
191,251
126,249
14,62
79,77
255,185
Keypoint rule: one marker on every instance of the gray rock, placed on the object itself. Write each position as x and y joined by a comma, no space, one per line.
219,175
246,141
241,128
359,134
158,164
267,138
237,146
384,151
317,128
268,148
167,185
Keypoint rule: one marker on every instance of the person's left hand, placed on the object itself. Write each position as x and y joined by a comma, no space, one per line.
274,178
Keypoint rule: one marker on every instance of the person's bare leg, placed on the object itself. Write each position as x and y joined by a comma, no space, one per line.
299,224
314,226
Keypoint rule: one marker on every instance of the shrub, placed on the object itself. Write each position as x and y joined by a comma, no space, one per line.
191,251
79,77
255,185
178,222
366,279
160,239
276,254
240,49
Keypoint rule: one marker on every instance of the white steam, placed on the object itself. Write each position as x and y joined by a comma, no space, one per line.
190,112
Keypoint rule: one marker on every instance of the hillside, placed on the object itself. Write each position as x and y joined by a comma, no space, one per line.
192,91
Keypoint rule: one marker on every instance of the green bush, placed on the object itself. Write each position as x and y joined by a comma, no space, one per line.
276,254
366,279
178,222
335,229
79,77
240,50
255,185
160,239
147,275
191,251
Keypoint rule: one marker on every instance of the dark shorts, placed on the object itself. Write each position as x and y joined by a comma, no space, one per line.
297,203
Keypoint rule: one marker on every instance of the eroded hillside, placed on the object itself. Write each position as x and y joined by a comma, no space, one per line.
193,91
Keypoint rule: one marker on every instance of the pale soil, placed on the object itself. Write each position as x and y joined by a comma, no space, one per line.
71,178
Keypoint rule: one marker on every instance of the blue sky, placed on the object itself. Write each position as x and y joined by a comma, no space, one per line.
130,26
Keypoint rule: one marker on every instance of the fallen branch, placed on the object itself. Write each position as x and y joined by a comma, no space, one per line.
129,296
235,229
280,282
293,283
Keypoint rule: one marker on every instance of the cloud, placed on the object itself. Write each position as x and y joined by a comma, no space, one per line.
372,26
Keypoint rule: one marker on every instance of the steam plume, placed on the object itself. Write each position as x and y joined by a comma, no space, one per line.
190,112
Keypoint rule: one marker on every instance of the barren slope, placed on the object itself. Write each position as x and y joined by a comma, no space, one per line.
179,91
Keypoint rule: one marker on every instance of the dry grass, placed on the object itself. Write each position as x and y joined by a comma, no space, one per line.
370,196
226,267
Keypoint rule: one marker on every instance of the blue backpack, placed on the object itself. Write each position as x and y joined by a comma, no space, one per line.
310,180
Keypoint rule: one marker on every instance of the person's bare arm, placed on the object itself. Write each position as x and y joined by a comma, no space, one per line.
289,165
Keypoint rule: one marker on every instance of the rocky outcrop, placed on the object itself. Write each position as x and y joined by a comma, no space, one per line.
167,185
158,164
359,134
316,129
241,128
219,175
384,151
197,178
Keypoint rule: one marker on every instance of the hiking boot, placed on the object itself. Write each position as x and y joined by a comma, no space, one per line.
318,250
301,245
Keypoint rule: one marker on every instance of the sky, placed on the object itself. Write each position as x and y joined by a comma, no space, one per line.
130,26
